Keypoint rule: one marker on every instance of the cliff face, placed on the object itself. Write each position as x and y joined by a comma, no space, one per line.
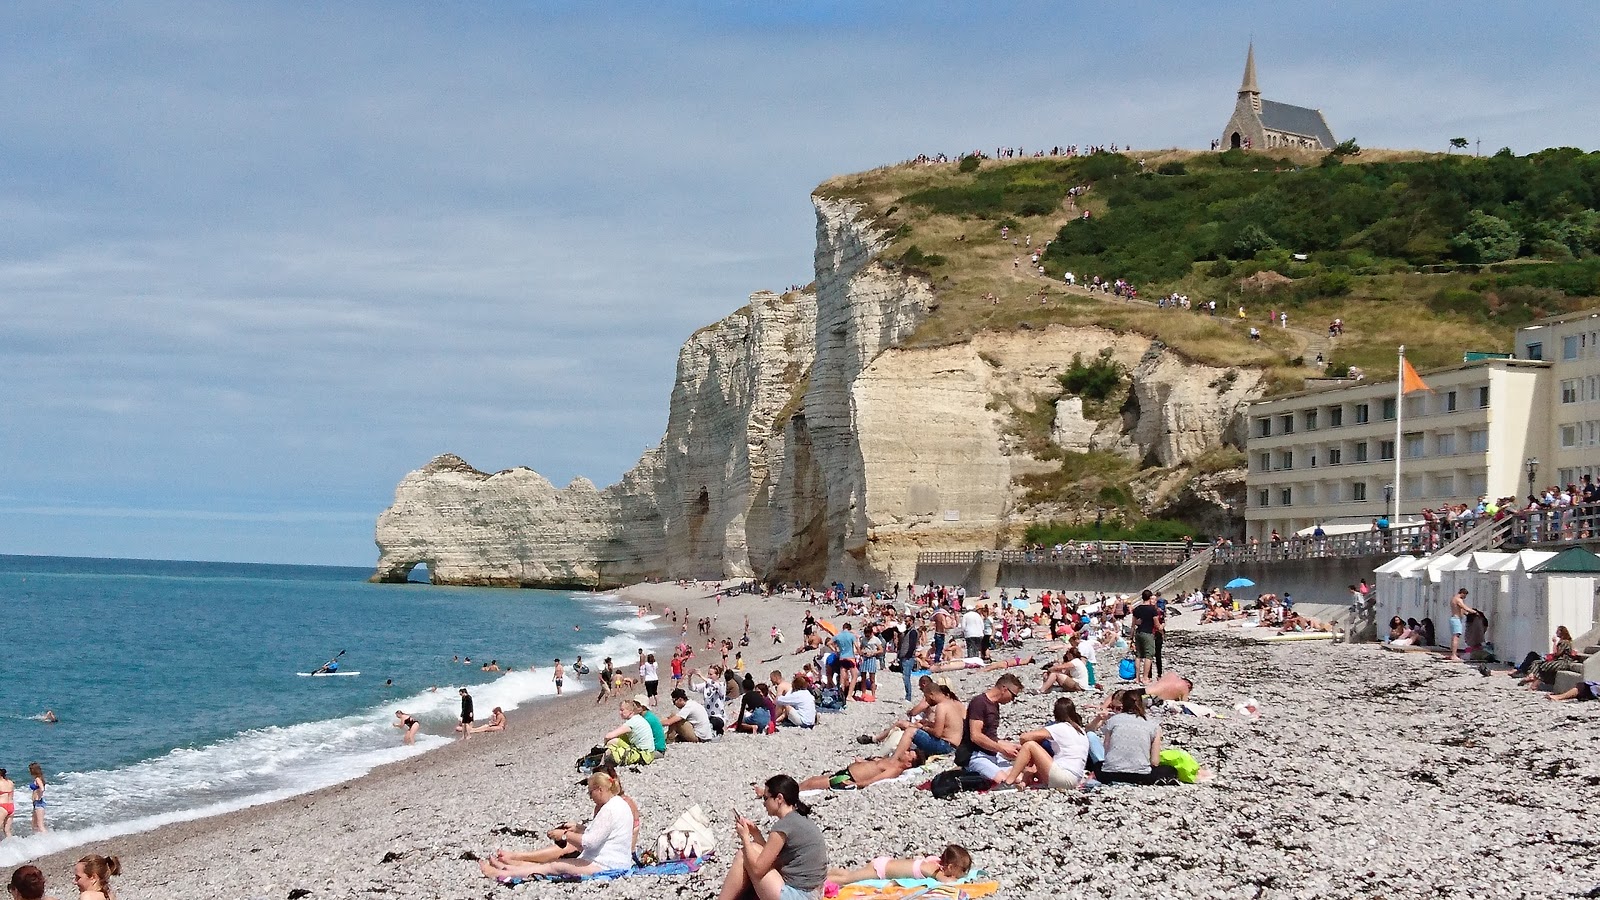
805,441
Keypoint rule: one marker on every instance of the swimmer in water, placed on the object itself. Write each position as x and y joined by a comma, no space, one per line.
48,717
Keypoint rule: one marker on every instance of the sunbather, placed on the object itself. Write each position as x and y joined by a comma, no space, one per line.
562,845
605,843
950,866
1071,674
865,772
977,663
1061,770
497,722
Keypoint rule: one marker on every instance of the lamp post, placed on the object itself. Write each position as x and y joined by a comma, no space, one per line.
1533,471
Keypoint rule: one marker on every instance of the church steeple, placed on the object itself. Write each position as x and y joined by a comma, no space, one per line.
1248,89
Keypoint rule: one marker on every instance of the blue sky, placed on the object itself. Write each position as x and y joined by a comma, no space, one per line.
261,260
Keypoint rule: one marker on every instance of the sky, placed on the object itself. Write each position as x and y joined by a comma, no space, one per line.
258,261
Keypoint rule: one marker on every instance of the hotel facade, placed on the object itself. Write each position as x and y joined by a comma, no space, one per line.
1328,456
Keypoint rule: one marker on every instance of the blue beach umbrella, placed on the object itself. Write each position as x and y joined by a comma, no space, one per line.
1239,583
1019,603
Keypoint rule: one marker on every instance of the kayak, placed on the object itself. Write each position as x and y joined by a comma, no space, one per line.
324,674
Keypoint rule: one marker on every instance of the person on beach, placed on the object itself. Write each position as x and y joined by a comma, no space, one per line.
466,715
865,772
788,863
982,740
27,883
1133,746
658,732
1144,615
758,714
605,843
798,706
560,675
565,838
948,867
631,743
691,724
8,804
1059,769
1071,674
1459,610
407,724
1583,690
93,874
497,722
606,672
938,730
36,787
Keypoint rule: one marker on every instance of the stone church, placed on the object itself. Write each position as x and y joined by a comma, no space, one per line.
1259,124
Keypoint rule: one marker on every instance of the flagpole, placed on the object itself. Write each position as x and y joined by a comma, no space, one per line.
1399,415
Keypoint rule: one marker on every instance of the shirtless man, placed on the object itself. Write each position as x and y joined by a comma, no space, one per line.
561,674
1171,686
943,621
938,731
865,772
1459,610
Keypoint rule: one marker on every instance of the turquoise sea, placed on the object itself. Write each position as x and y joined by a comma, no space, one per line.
176,687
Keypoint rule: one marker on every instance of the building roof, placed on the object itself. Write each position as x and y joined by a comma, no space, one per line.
1388,383
1558,320
1248,84
1299,120
1573,559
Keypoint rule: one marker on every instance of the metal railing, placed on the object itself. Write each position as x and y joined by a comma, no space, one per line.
1376,542
1078,553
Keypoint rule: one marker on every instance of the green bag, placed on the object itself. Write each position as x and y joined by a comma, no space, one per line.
1188,769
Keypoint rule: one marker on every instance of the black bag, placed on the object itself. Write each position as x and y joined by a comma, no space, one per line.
591,760
954,781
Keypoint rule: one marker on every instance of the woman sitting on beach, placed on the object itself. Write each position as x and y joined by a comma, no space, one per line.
562,843
790,862
1397,629
757,712
1071,674
1133,747
497,722
1061,770
1561,656
605,843
27,883
93,874
947,868
632,743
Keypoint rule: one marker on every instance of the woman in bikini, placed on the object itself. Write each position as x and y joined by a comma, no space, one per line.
950,866
497,722
37,787
407,723
8,804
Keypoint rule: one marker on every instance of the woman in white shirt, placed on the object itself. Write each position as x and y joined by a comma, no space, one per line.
1062,770
605,843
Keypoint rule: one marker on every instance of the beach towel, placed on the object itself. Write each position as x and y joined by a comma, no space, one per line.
675,867
916,889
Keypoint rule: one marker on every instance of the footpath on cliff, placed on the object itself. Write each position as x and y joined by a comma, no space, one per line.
1368,774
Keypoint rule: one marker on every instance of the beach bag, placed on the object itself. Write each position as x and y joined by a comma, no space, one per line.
951,782
590,761
1188,769
830,698
688,838
1128,669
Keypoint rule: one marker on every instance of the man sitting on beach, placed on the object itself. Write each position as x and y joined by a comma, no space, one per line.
865,772
983,728
939,729
691,724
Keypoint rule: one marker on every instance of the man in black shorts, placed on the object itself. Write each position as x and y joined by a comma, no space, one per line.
1144,635
466,714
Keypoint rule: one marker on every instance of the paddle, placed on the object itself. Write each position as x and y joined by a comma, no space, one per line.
324,666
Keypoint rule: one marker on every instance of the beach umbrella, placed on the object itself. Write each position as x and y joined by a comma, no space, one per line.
827,626
1239,583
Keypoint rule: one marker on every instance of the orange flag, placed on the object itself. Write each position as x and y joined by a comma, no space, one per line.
1410,380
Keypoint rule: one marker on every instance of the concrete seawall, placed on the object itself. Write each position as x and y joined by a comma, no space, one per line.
1042,576
1322,581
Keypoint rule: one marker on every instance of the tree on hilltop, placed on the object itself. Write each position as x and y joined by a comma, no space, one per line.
1458,143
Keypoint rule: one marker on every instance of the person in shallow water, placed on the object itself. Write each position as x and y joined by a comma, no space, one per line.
408,724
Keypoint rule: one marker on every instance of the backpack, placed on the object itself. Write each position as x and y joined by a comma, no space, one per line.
590,761
951,782
1128,669
830,698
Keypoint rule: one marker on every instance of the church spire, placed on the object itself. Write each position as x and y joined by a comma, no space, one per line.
1248,86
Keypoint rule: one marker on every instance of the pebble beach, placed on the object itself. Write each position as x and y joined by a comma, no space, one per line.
1368,774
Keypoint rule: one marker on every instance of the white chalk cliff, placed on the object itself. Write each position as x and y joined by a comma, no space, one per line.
806,440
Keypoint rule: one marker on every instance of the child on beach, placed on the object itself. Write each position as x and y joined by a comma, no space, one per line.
948,867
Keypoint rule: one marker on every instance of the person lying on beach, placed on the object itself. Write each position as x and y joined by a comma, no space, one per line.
1061,770
497,722
408,723
1170,686
1584,690
1294,622
606,842
977,663
865,772
948,867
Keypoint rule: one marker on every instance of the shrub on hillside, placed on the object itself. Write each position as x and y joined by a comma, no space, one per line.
1050,533
1486,238
1092,381
968,164
1175,167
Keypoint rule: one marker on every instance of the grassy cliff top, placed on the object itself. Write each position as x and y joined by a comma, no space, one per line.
1444,253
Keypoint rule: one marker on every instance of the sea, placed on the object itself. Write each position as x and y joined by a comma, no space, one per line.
177,690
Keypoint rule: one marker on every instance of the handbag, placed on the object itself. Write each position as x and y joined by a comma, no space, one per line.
688,838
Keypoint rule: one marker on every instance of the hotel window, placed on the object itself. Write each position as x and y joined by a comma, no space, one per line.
1415,446
1358,490
1386,450
1478,441
1450,401
1311,420
1308,494
1411,488
1264,426
1477,484
1569,436
1263,497
1266,462
1361,414
1388,409
1445,444
1286,459
1594,389
1361,451
1335,456
1569,347
1569,390
1285,497
1483,397
1335,416
1534,350
1286,424
1444,485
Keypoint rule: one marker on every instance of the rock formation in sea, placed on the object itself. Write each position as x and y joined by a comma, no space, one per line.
809,438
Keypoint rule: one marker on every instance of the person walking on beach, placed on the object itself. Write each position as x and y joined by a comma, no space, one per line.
561,673
8,804
651,676
37,788
466,714
606,674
